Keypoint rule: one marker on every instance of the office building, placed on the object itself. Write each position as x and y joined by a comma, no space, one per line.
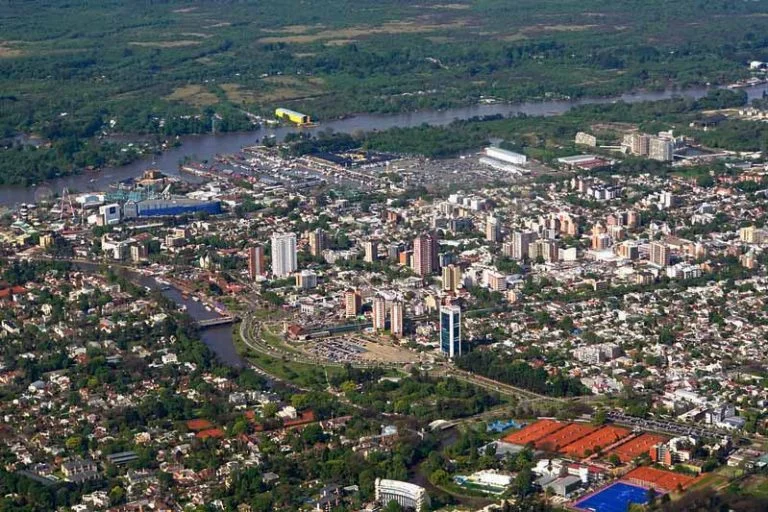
284,254
352,303
318,242
405,494
546,249
751,235
520,244
371,248
667,199
379,313
255,261
660,254
445,258
450,331
451,278
496,281
661,149
638,143
600,241
425,259
492,229
393,251
306,280
398,314
628,250
109,214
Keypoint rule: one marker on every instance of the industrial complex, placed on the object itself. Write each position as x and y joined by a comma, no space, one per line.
293,116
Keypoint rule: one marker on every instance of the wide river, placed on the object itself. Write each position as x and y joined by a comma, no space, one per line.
203,147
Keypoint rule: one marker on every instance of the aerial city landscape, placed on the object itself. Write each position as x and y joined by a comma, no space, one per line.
478,255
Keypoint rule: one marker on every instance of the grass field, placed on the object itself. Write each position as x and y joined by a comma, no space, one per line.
757,485
194,95
304,375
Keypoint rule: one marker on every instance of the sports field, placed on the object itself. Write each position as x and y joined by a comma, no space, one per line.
659,479
560,438
595,441
614,498
534,432
637,446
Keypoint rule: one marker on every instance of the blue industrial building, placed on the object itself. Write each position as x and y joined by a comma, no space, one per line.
169,207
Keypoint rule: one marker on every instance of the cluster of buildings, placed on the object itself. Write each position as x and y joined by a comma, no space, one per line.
652,286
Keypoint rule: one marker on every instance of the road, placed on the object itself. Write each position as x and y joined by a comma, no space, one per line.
669,427
250,333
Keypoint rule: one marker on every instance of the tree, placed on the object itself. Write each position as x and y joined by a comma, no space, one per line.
523,483
269,410
313,434
74,443
300,402
439,477
240,427
600,417
393,506
116,495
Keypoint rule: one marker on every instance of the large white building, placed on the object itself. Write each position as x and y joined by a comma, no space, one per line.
405,494
503,155
284,254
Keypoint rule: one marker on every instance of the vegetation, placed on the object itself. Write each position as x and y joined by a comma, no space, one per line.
76,74
422,397
497,366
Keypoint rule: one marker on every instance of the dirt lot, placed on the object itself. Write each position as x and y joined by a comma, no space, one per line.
386,353
7,51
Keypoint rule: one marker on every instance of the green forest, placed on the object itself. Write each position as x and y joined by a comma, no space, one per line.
77,72
497,366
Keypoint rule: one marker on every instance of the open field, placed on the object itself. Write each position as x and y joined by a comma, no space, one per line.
351,33
7,51
194,95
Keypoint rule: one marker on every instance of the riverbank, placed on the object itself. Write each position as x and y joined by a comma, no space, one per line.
206,147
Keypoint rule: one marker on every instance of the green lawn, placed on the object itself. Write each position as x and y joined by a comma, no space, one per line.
757,486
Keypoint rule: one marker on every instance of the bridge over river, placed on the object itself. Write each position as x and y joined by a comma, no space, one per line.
214,322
